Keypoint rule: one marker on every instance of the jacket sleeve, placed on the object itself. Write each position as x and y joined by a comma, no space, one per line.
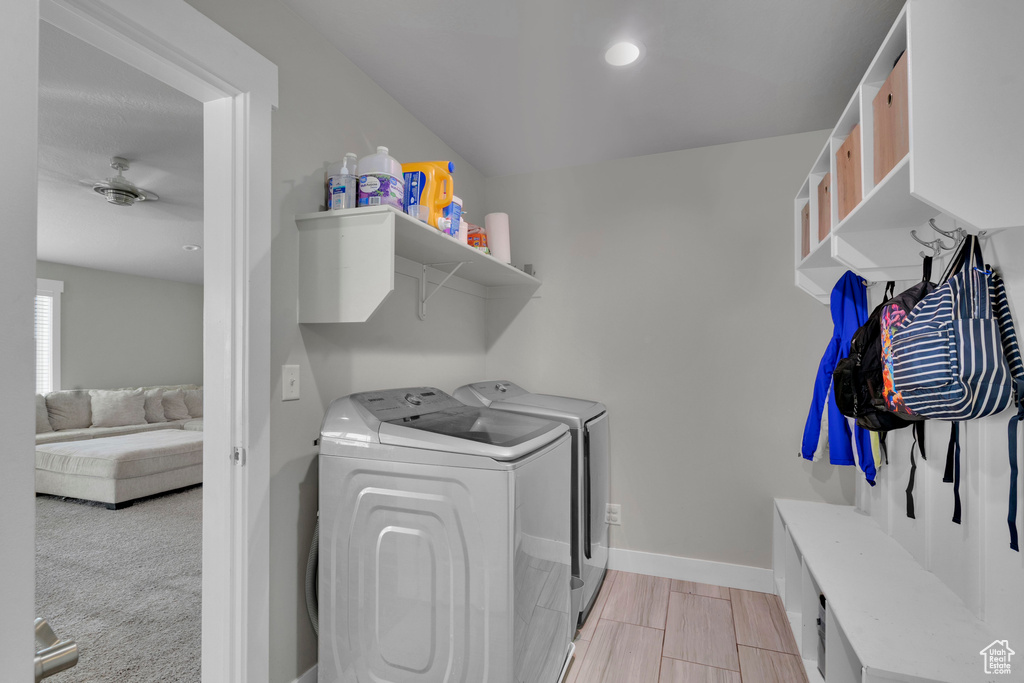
819,399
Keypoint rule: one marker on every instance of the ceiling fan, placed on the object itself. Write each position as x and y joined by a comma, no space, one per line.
118,190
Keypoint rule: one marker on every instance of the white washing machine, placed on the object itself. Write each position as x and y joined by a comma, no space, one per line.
588,424
444,542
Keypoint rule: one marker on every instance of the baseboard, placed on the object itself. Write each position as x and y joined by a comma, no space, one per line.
308,677
690,569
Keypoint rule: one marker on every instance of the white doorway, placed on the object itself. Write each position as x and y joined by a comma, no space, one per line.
174,43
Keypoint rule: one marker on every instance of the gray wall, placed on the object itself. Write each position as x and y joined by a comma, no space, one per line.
329,107
124,330
668,294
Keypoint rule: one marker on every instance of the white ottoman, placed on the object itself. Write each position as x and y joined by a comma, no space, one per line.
118,469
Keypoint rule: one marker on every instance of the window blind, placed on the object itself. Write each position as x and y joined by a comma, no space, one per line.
44,344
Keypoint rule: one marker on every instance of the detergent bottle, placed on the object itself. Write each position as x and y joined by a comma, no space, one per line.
380,180
429,188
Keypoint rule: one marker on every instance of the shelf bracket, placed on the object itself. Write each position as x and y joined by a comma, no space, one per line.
423,283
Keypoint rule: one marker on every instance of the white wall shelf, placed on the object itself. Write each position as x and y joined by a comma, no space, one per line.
887,618
348,258
964,143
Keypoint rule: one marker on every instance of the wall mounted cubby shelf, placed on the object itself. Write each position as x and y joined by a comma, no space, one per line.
938,120
886,618
348,259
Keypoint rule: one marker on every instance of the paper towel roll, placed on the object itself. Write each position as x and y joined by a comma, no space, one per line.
496,226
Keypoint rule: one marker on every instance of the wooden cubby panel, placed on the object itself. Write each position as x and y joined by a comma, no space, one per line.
848,186
805,230
891,121
824,206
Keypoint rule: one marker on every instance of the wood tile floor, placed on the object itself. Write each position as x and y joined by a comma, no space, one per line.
645,629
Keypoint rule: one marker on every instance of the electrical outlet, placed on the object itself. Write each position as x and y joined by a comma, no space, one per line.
613,514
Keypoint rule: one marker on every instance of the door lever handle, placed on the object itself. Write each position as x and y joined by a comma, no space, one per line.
53,655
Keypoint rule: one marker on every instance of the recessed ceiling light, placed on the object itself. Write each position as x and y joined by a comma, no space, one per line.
191,247
622,54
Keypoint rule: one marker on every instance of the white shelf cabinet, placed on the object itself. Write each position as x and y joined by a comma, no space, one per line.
348,258
965,95
887,618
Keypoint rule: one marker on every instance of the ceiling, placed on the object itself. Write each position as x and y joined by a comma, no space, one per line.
91,107
521,85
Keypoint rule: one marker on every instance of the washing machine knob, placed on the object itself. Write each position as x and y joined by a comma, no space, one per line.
413,399
501,387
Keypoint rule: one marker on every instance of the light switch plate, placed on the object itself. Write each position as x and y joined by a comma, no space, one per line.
289,382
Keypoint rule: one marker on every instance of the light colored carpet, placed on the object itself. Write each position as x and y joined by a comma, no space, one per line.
125,585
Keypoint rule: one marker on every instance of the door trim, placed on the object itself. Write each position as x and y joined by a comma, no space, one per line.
173,42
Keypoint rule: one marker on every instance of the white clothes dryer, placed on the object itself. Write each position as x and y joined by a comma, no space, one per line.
588,424
444,542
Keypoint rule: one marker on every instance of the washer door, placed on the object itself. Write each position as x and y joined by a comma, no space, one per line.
472,431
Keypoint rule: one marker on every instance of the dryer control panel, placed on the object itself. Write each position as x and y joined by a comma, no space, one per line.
486,393
396,404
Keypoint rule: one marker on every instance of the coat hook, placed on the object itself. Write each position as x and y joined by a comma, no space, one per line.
936,246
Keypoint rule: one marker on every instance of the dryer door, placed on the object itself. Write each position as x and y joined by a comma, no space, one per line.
595,501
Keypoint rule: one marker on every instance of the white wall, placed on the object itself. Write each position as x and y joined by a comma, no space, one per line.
329,107
19,44
122,330
668,295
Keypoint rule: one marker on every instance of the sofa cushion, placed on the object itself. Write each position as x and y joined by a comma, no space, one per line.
154,405
174,405
42,417
117,408
193,425
194,402
100,432
123,457
70,409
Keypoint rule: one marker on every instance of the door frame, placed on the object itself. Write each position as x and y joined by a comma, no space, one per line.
173,42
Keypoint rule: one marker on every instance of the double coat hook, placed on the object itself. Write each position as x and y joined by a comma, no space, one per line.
935,245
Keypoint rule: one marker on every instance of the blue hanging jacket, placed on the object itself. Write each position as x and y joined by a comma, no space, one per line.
849,307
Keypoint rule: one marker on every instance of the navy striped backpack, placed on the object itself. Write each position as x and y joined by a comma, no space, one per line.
948,361
955,356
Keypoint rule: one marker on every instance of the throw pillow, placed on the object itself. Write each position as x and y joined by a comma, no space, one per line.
174,405
154,405
42,418
194,402
117,408
69,409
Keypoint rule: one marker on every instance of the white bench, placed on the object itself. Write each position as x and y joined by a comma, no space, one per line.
118,469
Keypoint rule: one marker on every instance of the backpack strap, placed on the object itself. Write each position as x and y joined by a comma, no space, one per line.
919,444
951,475
1011,517
968,255
926,269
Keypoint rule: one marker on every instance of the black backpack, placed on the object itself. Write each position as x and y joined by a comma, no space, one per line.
858,381
857,378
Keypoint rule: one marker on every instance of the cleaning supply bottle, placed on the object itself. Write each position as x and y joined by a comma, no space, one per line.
429,188
451,217
341,183
380,180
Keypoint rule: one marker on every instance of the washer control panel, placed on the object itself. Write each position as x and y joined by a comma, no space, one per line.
396,404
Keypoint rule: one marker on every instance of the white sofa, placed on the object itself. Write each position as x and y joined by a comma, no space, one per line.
114,446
